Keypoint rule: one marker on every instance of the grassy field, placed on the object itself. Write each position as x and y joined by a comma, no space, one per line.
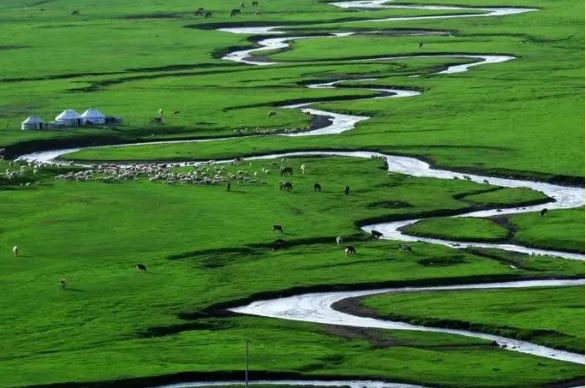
558,230
550,316
206,247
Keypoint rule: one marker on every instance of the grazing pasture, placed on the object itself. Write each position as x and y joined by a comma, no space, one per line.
118,263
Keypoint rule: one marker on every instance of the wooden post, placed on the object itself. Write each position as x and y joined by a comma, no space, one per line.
246,364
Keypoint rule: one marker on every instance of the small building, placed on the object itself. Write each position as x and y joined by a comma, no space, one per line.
32,123
69,118
93,116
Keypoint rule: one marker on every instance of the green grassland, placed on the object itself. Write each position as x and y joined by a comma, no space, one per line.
550,316
206,247
460,229
93,233
558,230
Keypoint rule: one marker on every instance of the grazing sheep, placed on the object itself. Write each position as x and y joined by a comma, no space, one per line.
286,171
543,212
339,240
15,251
350,250
277,228
376,234
63,284
405,248
141,267
317,187
287,186
272,113
347,190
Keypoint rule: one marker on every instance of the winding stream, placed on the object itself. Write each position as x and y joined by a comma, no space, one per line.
317,307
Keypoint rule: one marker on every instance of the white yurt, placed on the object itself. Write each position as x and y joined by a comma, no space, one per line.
69,118
93,116
32,123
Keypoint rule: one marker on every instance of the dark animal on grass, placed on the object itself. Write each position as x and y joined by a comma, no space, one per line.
200,11
350,250
255,3
467,177
405,248
287,186
376,234
279,243
347,190
277,228
272,113
317,187
543,212
141,267
63,284
208,15
75,13
486,182
286,171
235,12
176,112
257,14
420,44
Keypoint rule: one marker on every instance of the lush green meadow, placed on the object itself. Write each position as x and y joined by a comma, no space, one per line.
207,248
549,316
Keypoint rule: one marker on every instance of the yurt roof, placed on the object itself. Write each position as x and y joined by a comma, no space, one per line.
68,114
33,120
92,113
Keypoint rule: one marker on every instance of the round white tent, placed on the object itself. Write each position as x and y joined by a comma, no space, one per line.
69,118
32,123
93,116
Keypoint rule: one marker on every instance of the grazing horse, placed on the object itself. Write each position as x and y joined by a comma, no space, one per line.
235,12
347,190
376,234
543,212
405,248
286,171
277,228
15,251
63,284
141,267
272,113
350,250
255,3
287,186
339,240
208,15
317,187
